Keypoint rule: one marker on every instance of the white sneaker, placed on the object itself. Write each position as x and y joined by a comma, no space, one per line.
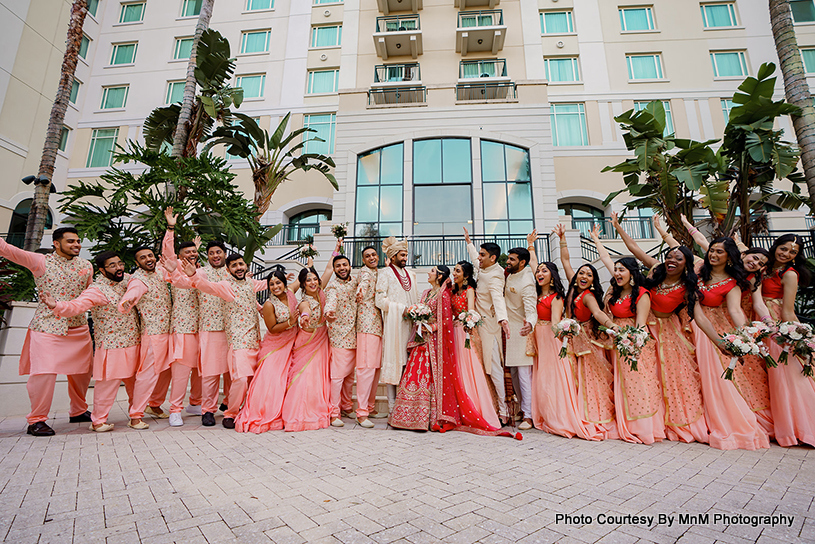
337,422
194,409
175,420
366,423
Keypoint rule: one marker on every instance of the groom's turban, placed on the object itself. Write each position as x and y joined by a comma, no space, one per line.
391,246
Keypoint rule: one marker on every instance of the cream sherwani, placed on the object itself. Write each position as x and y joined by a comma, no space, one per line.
392,298
521,299
489,302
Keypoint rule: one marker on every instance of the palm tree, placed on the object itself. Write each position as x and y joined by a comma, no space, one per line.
184,116
38,213
795,85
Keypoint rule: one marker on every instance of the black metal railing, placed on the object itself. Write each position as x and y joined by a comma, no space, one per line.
470,69
588,250
485,17
766,240
397,95
636,227
398,23
393,73
433,250
810,222
486,91
295,234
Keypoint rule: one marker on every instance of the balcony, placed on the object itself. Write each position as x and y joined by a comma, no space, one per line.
480,31
491,69
398,35
387,6
397,74
639,228
503,91
464,4
384,96
296,234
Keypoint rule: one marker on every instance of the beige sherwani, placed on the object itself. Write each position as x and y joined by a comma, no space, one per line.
393,299
521,297
489,302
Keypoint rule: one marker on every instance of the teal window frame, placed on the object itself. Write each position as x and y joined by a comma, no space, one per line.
125,12
248,41
575,67
568,113
625,22
75,85
319,33
504,212
548,30
715,55
311,81
111,97
325,124
191,8
262,88
634,62
103,142
183,48
261,5
172,91
709,16
119,50
639,105
64,133
391,184
84,45
802,11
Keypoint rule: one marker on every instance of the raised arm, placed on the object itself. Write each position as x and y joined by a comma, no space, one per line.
35,262
632,246
601,249
471,250
329,268
530,246
666,236
135,290
560,230
199,281
697,236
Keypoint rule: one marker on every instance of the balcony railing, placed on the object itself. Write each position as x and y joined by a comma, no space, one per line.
393,73
766,240
294,234
397,95
469,69
588,250
486,91
432,250
810,222
489,17
398,23
637,227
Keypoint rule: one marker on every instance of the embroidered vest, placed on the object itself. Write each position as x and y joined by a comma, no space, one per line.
65,280
185,311
281,309
369,318
156,305
111,328
341,296
211,309
242,322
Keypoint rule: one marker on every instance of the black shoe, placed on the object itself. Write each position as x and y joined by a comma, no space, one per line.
228,423
223,407
81,418
40,428
208,419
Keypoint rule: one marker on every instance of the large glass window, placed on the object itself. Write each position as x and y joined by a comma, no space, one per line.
442,186
256,41
323,81
568,125
132,13
644,67
666,105
175,92
252,85
379,192
719,15
123,53
803,11
636,19
103,142
507,189
114,97
324,124
191,8
729,64
562,69
556,22
183,48
326,36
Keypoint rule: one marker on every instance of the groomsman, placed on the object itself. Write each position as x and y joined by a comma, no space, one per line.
53,345
521,300
341,314
116,358
369,338
489,302
395,291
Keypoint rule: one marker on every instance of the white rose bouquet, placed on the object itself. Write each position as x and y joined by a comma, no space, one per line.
629,341
789,334
420,313
470,319
565,329
759,331
739,343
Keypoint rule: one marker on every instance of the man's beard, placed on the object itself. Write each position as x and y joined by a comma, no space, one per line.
243,276
117,277
400,264
345,277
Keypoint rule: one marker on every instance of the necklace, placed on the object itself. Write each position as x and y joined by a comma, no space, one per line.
663,287
403,281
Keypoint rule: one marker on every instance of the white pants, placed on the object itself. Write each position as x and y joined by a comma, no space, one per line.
492,353
522,381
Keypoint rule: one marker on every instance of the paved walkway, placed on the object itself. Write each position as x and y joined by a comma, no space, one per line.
352,485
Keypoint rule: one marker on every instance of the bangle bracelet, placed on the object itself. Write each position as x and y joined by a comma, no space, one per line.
693,230
335,253
563,244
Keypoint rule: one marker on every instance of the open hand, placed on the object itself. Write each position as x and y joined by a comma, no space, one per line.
48,300
169,265
188,268
560,230
467,239
505,328
531,237
526,329
170,216
197,242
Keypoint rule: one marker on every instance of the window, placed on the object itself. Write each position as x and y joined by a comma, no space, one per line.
379,192
93,6
719,15
252,85
255,5
326,36
480,18
324,124
442,186
103,141
727,105
175,92
83,46
74,92
562,69
305,224
19,218
132,13
636,19
255,42
568,125
317,2
63,138
183,48
728,64
469,69
584,217
803,11
114,97
507,189
644,67
323,81
666,105
808,56
123,53
556,22
191,8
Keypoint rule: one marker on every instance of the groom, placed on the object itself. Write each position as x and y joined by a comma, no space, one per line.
395,292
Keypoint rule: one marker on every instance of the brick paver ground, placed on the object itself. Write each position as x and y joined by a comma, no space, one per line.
351,485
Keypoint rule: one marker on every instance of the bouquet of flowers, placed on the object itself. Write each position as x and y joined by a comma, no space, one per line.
629,341
340,230
799,338
739,343
564,330
307,251
804,350
420,313
758,331
470,319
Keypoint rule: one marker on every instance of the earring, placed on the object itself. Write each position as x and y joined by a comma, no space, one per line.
631,282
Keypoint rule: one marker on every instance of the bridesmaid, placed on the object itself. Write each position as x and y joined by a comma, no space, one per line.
595,376
306,405
792,395
264,403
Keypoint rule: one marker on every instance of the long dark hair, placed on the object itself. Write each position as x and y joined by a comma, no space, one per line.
469,276
304,274
594,289
279,274
733,268
688,278
633,266
798,264
557,283
443,273
759,275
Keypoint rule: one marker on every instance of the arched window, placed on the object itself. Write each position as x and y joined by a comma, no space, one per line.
584,217
19,218
305,224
